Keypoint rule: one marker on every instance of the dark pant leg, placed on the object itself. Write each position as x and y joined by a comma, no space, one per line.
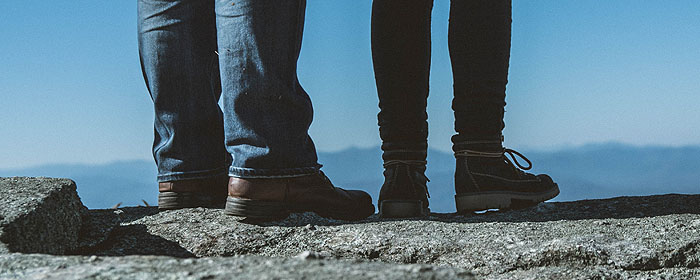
267,112
479,42
401,57
177,44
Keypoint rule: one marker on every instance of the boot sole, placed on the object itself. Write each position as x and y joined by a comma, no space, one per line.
256,209
402,209
180,200
501,200
274,210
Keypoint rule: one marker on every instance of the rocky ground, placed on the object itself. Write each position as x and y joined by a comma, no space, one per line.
653,237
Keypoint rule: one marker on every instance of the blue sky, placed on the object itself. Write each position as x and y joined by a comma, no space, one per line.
581,72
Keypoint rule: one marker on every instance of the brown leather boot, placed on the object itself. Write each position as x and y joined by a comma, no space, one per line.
275,198
210,193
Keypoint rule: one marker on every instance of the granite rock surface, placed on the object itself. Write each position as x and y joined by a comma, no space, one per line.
39,215
651,237
239,267
612,238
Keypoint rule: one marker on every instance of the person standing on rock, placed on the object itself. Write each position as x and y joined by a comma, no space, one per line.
479,45
258,147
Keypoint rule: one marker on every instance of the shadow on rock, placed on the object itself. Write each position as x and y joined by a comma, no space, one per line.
117,232
136,240
612,208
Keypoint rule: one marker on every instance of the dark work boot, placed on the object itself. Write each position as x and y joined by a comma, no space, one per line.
405,191
485,178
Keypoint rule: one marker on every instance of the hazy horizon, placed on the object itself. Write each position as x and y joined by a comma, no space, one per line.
524,150
587,172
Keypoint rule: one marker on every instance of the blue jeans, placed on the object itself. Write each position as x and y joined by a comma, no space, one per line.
192,53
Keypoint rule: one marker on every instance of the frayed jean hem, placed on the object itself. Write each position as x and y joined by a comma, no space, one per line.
241,172
191,175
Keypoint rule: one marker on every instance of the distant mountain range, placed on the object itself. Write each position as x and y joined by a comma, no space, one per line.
592,171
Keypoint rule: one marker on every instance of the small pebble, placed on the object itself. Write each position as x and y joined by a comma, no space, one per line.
308,255
695,223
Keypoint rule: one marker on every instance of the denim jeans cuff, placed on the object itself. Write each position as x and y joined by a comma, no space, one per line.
190,175
241,172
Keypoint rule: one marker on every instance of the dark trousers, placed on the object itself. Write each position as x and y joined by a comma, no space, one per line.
479,44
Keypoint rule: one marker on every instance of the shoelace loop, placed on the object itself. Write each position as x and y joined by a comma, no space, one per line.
512,153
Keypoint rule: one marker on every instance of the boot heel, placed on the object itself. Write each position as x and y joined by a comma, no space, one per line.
179,200
402,209
256,209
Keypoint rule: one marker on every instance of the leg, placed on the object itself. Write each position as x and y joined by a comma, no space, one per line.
479,42
267,112
267,116
177,40
485,178
401,57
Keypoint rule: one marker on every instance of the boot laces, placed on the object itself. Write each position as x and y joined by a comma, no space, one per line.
514,163
412,163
